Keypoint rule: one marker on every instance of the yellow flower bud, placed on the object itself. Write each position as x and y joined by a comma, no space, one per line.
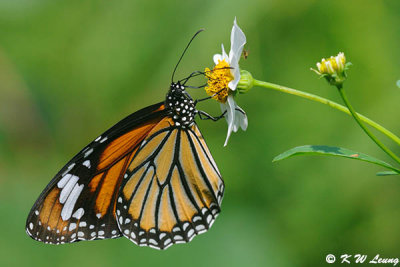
333,69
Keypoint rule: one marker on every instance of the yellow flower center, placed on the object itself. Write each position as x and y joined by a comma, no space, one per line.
218,80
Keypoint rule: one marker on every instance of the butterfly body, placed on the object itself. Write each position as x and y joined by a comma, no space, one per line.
150,178
180,105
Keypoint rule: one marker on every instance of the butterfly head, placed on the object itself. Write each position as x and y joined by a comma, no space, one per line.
180,105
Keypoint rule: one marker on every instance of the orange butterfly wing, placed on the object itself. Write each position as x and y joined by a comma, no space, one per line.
79,203
172,189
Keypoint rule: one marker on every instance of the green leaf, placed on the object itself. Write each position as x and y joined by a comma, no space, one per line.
387,173
337,152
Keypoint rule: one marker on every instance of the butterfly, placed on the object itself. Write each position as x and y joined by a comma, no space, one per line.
150,178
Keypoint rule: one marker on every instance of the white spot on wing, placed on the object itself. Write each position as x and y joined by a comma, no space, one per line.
190,233
63,181
87,153
78,213
31,226
209,217
196,218
70,203
65,192
143,143
200,227
72,226
178,237
86,163
98,215
82,224
104,139
68,169
185,226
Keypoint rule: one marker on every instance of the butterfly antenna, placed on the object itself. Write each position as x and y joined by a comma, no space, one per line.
184,51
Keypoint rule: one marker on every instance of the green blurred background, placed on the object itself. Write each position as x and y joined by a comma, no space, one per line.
71,69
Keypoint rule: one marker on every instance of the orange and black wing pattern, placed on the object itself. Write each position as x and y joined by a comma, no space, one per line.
79,203
172,188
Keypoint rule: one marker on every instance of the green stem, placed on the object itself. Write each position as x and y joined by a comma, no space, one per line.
366,130
328,102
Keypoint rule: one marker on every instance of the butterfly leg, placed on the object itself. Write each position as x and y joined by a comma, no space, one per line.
193,74
196,87
202,99
208,97
205,116
197,73
209,117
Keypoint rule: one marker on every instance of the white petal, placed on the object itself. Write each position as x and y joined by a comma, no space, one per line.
230,116
223,108
241,117
235,71
235,125
224,54
217,58
238,40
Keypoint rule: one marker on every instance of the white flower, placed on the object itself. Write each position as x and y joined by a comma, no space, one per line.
235,116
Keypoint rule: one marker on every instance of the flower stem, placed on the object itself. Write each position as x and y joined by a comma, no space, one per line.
366,130
328,102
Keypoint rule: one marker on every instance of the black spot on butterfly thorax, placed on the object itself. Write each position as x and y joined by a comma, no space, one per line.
180,105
